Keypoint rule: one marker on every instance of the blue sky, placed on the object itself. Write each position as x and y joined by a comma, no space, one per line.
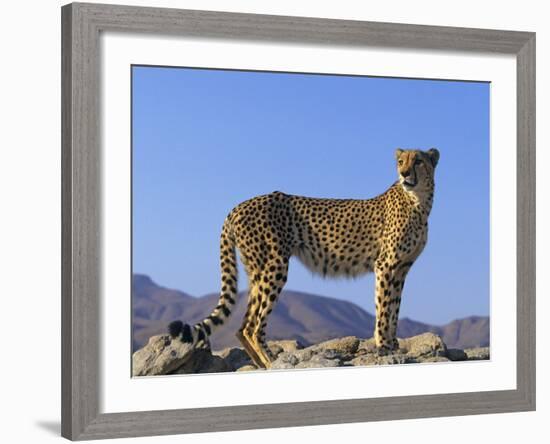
205,140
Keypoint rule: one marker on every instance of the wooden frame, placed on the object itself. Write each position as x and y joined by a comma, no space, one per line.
81,168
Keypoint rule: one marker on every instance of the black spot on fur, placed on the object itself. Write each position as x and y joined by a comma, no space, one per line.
175,328
215,320
186,335
201,335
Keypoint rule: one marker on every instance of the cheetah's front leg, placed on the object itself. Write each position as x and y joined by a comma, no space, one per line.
397,283
383,337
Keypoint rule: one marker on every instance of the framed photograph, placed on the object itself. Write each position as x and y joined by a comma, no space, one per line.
276,221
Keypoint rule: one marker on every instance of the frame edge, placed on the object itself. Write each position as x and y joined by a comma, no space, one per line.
526,221
67,425
81,420
80,205
301,29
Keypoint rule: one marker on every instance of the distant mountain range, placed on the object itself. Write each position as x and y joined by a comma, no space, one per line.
306,317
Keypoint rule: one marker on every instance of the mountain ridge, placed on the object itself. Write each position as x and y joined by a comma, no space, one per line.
297,315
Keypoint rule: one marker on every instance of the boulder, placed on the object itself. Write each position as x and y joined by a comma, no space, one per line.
424,345
161,356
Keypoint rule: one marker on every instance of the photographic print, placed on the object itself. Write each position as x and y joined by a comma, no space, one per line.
287,221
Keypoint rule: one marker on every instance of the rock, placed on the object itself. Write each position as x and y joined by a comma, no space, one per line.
304,355
315,360
396,358
285,360
374,359
343,346
160,356
234,357
330,354
248,368
455,354
478,353
289,345
367,359
369,346
319,362
335,350
366,346
326,354
424,345
203,361
436,359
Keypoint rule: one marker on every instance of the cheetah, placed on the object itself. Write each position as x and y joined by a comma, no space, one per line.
331,237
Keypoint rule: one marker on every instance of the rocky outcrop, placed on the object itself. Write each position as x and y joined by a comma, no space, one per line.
163,356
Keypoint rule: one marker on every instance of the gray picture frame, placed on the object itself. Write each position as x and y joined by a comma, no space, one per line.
81,232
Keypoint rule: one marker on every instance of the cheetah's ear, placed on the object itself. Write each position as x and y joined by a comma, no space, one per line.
434,156
398,153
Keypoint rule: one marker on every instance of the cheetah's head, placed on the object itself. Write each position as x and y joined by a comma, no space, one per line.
416,168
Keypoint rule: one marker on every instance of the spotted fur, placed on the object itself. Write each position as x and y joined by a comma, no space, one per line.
332,237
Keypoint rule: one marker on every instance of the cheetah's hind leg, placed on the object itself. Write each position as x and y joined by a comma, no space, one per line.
273,281
251,335
243,335
250,349
263,351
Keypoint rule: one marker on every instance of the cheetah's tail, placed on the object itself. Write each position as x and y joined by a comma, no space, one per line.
199,333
